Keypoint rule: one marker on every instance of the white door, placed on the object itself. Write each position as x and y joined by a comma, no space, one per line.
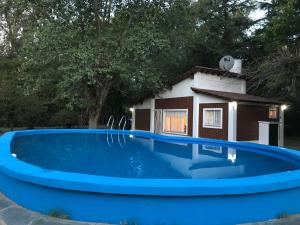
157,121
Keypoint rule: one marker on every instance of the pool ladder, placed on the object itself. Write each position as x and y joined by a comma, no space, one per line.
123,142
110,122
124,124
109,125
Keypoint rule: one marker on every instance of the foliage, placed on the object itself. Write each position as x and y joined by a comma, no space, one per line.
64,118
282,27
278,75
16,108
85,62
222,28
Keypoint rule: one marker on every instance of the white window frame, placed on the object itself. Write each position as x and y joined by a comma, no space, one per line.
176,110
213,148
204,118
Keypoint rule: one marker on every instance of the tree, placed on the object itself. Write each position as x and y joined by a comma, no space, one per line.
15,107
275,73
222,27
9,93
278,75
282,24
85,52
11,23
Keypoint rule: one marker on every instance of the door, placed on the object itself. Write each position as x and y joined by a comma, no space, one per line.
273,134
142,119
157,121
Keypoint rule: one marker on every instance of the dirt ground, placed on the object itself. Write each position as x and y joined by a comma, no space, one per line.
292,142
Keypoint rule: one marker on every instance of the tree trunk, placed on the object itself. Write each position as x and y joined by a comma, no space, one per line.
100,98
93,119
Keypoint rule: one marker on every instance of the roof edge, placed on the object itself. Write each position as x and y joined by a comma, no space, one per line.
218,94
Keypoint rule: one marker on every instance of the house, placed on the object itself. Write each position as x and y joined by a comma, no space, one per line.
211,103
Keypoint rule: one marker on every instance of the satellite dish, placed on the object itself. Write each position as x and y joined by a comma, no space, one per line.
226,63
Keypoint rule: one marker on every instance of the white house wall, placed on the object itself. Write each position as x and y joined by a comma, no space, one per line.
204,81
181,89
145,105
281,128
218,83
205,99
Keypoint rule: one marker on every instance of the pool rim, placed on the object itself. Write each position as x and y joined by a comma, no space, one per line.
26,172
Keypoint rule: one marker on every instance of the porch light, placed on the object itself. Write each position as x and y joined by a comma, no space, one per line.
284,107
233,104
131,109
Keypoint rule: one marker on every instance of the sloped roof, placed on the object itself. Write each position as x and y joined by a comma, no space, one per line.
212,71
230,96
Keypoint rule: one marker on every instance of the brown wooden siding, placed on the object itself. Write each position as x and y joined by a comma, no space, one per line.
142,119
178,103
211,132
247,121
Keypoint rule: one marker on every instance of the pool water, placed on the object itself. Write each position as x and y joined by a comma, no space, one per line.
127,156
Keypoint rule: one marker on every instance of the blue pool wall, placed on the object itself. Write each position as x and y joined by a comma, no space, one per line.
113,200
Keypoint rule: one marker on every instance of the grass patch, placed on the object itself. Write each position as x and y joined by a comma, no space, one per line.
283,215
59,213
136,223
129,223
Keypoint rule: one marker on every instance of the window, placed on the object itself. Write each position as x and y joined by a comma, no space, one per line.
273,113
212,118
175,121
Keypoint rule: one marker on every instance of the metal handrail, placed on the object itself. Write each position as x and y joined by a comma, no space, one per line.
125,121
112,120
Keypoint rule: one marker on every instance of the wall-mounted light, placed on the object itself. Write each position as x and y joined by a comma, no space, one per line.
131,109
131,136
234,104
284,107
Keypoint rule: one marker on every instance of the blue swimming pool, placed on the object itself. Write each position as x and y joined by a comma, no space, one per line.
144,178
139,157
